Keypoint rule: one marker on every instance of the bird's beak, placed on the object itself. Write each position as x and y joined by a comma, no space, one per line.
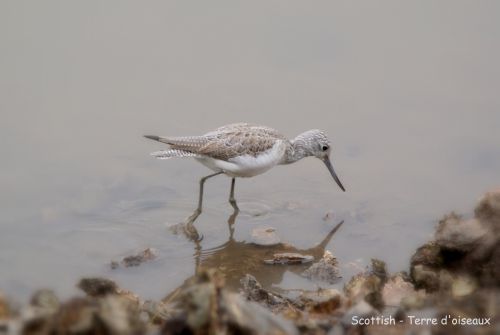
328,164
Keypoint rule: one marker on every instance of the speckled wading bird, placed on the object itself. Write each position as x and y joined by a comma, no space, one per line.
245,150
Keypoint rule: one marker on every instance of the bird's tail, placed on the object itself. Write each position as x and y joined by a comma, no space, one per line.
172,153
157,138
180,146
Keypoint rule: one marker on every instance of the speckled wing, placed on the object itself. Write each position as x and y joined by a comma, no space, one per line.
229,141
173,153
185,143
239,139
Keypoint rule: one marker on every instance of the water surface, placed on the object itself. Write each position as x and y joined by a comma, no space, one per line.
408,93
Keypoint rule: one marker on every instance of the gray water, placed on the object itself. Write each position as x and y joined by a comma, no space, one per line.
408,92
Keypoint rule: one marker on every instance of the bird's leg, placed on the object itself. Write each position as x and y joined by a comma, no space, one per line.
190,229
232,200
187,227
200,196
230,222
233,216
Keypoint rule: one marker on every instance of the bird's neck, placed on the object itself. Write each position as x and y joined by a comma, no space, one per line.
296,150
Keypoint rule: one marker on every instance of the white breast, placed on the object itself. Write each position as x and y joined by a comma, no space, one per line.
247,165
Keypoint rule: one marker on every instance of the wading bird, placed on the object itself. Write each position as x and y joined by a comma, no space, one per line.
245,150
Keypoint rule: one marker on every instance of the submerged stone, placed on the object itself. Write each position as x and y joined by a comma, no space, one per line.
254,291
289,258
265,236
135,260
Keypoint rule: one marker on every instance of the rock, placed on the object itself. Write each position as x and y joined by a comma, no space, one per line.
37,318
463,285
361,309
208,309
103,314
424,266
135,260
289,258
176,326
337,329
253,291
321,295
250,318
462,247
120,316
4,307
367,286
107,315
265,236
489,267
77,316
396,289
45,300
157,312
483,303
414,301
276,303
102,287
425,277
488,211
105,311
444,281
97,287
326,270
456,234
429,255
378,269
322,301
311,311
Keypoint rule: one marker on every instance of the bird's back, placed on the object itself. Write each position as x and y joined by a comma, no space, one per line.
229,141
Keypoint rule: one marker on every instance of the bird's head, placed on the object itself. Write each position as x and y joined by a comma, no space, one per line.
315,143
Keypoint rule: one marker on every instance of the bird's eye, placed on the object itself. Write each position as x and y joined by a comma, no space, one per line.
324,148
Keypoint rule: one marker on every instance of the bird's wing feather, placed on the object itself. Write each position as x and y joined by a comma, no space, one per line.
239,139
167,154
189,143
226,142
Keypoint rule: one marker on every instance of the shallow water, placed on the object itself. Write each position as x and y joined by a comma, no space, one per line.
407,92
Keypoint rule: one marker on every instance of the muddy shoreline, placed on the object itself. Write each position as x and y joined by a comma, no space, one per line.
452,286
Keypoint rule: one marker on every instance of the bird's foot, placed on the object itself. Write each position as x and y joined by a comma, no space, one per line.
187,227
232,201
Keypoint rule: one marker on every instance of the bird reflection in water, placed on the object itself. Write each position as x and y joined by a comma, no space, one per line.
234,259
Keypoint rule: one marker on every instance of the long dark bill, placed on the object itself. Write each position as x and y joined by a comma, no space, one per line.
328,164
